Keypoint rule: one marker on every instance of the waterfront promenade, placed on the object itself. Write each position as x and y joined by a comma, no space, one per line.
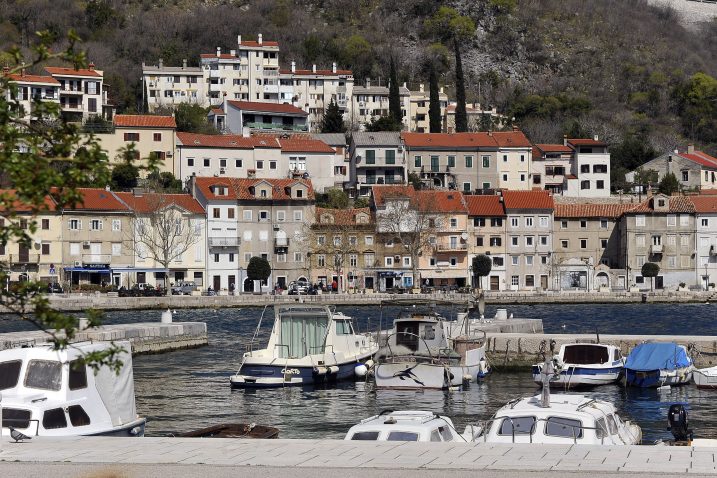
102,456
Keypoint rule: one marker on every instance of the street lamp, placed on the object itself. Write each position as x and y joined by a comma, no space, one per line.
240,285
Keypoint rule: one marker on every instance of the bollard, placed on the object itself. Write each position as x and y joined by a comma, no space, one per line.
84,322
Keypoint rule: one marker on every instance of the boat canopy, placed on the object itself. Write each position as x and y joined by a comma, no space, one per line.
657,356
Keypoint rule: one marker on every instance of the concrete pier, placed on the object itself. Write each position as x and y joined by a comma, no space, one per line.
145,337
217,457
518,351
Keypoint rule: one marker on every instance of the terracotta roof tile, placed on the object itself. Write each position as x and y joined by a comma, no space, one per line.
586,142
381,193
553,148
48,203
700,158
678,204
59,71
294,144
428,200
150,202
96,199
592,210
34,79
488,205
449,140
528,199
230,141
285,108
144,121
345,217
512,139
705,204
239,188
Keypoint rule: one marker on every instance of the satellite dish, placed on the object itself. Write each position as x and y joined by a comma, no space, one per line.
38,242
464,236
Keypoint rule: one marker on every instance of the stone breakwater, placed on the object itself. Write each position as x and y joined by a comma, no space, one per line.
145,337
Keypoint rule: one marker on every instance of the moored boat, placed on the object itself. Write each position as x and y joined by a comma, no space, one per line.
659,364
705,377
234,430
584,365
405,425
308,344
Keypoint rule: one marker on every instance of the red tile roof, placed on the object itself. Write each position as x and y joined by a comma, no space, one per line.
295,144
678,204
592,210
231,141
511,139
535,199
488,205
586,142
701,158
96,199
343,216
317,72
223,56
33,79
448,140
285,108
426,200
256,44
59,71
705,204
48,203
144,121
554,148
238,188
217,111
150,202
381,193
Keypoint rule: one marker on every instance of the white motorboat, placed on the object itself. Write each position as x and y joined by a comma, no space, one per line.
45,392
705,377
418,355
584,365
308,344
406,425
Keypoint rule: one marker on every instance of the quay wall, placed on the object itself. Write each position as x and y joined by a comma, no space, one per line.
145,337
511,351
80,302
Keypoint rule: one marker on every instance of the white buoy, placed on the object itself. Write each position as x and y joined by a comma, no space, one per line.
501,314
467,378
360,370
167,317
84,323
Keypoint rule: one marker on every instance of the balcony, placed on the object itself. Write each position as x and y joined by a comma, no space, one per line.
448,247
71,107
72,91
215,74
277,126
271,88
91,259
24,258
215,87
656,249
224,242
281,245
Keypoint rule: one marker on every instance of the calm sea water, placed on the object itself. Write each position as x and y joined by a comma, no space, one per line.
189,389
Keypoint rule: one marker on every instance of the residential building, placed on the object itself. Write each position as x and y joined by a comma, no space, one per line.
238,115
591,166
371,102
31,89
175,222
553,169
342,159
479,118
695,170
97,240
706,241
529,231
376,158
168,86
514,157
82,93
486,235
418,116
42,259
587,253
308,158
269,218
341,248
660,230
150,136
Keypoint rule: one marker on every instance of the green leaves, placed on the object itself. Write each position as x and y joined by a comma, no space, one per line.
258,269
448,24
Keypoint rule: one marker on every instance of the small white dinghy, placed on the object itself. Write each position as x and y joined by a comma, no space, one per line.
46,392
406,425
705,377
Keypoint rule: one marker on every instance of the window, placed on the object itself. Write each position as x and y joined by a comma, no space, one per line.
298,216
157,136
469,161
486,161
603,243
45,249
641,260
406,261
247,214
74,248
479,241
417,161
54,418
496,222
43,374
505,158
207,162
116,248
467,187
75,224
216,257
45,224
685,175
705,222
529,280
563,427
390,156
190,162
479,222
486,185
131,137
684,220
599,184
640,240
671,220
684,240
280,216
272,164
77,375
528,222
370,436
402,436
584,184
216,213
451,161
96,225
671,240
368,240
544,221
9,374
454,222
513,222
495,241
528,260
672,261
78,416
563,224
263,216
116,225
529,241
514,241
543,240
388,261
522,177
517,425
505,176
583,243
238,163
564,243
640,221
603,223
453,261
260,164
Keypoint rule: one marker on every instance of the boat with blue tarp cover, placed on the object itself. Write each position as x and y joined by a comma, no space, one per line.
651,365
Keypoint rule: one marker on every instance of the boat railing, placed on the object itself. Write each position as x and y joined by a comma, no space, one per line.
16,422
486,424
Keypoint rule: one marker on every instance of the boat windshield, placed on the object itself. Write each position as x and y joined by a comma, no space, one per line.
584,354
302,335
402,436
365,436
9,373
44,374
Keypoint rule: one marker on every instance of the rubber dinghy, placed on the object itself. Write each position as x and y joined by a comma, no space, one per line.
654,365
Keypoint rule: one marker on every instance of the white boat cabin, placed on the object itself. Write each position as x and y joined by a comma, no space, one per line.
589,354
45,392
408,425
418,334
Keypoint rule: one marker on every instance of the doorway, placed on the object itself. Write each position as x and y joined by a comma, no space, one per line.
544,282
494,283
217,283
659,283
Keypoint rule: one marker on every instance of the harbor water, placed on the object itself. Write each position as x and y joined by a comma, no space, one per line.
189,389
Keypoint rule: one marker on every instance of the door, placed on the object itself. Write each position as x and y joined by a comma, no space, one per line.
217,283
95,252
544,282
23,254
658,282
232,283
494,283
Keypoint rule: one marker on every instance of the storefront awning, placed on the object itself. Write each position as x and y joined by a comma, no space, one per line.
139,269
86,269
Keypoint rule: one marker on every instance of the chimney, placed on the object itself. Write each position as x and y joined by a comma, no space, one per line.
245,132
404,85
239,40
596,138
368,82
107,188
184,63
441,90
91,66
565,140
161,63
313,69
690,149
259,39
420,87
22,71
649,192
515,128
293,67
219,51
333,67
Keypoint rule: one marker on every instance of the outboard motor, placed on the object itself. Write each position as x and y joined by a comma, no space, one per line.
677,420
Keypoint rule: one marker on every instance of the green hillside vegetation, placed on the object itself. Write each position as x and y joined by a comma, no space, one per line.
621,69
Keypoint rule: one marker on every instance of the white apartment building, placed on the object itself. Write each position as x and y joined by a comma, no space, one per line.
592,167
167,86
82,92
514,158
706,247
342,159
32,88
369,102
376,158
418,117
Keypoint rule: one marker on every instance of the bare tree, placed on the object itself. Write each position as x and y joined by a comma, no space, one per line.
163,231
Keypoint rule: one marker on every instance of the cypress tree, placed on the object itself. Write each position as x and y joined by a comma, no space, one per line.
461,116
333,120
434,104
394,96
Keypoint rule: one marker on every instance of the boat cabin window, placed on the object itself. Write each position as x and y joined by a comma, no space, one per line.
429,332
563,427
612,425
584,354
9,374
301,336
78,416
402,436
601,428
446,433
521,425
407,335
617,354
54,418
14,417
365,436
436,435
78,375
44,374
343,327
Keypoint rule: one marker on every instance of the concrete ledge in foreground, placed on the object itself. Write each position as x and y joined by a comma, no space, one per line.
623,460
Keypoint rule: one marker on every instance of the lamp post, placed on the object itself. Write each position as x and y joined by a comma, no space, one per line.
240,285
472,277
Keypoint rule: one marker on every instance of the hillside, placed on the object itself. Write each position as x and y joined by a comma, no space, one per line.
622,69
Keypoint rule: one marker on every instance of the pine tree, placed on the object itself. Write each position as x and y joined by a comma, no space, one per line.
434,104
394,96
333,120
461,116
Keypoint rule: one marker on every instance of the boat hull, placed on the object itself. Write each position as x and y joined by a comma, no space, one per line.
574,377
658,378
412,375
132,429
252,375
705,378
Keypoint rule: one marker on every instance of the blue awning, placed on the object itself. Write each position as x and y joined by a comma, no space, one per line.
85,269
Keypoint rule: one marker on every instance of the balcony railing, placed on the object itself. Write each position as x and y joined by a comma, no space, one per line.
451,247
69,106
277,126
224,242
96,258
24,258
656,249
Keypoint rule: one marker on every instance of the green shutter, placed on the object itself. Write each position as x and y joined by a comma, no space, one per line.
390,156
370,156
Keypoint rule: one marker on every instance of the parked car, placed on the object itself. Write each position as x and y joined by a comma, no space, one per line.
54,288
183,288
300,287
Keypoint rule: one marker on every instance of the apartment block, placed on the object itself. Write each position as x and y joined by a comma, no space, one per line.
82,93
371,101
487,236
168,86
30,89
342,159
514,157
420,102
236,116
376,158
480,118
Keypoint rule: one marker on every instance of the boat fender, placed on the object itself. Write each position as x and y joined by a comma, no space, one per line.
320,370
369,364
482,366
467,378
360,370
333,369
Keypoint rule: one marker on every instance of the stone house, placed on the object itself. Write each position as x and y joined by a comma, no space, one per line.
486,235
376,158
694,169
